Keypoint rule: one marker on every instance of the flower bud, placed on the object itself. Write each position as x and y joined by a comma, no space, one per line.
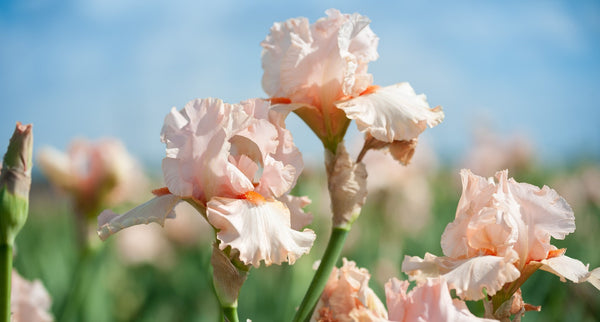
227,277
347,183
15,181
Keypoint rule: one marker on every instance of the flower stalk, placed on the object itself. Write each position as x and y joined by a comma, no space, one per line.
5,275
506,293
88,265
347,190
230,313
330,258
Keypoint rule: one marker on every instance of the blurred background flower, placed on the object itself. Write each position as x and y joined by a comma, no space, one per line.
29,300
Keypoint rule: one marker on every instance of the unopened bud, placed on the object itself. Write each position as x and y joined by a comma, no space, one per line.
347,183
15,182
227,278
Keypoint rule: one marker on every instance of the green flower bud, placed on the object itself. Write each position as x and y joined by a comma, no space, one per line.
15,182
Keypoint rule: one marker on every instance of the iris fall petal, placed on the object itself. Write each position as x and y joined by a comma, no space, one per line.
260,230
392,113
155,210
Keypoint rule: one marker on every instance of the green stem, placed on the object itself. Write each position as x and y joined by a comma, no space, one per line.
230,313
508,290
6,272
86,268
332,253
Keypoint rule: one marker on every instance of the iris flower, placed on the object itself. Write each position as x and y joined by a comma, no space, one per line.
501,235
97,174
29,301
236,164
320,72
348,297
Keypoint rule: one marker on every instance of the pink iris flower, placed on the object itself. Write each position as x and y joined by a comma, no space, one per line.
499,237
97,174
236,163
348,297
320,71
29,301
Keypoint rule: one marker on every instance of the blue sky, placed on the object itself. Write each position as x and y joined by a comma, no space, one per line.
115,68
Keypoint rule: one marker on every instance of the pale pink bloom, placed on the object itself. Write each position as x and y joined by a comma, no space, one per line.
501,232
405,194
348,297
320,71
188,229
428,301
581,188
96,174
29,301
145,245
236,163
492,151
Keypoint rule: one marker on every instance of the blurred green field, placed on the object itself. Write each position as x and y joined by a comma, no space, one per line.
181,290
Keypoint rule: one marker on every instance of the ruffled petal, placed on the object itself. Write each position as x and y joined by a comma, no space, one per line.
429,301
347,296
467,276
259,230
298,217
357,45
173,174
263,134
280,158
317,64
594,277
566,268
197,139
476,194
392,113
246,165
277,178
284,43
422,268
396,299
287,152
546,215
155,210
487,220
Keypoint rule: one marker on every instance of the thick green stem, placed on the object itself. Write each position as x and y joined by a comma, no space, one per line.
6,272
230,313
332,254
